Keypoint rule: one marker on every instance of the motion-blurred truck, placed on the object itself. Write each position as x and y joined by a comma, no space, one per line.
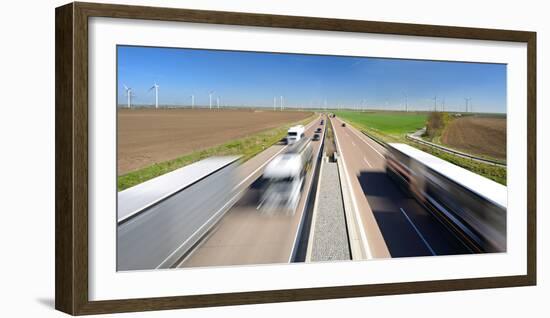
472,206
284,177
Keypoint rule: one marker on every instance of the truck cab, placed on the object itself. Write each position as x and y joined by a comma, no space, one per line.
295,134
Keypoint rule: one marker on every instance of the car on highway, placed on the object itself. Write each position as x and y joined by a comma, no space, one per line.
318,130
343,124
316,137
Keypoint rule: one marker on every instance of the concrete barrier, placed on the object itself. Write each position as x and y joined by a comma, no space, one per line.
356,244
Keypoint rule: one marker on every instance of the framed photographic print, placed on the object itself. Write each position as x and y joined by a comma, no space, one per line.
211,158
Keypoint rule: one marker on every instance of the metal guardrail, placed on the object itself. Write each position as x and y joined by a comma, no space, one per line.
455,152
439,147
377,140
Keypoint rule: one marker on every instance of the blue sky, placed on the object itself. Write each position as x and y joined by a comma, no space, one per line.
254,79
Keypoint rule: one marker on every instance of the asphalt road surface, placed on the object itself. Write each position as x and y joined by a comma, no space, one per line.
406,227
246,235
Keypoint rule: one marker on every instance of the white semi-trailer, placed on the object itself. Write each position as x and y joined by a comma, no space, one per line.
472,205
295,134
284,177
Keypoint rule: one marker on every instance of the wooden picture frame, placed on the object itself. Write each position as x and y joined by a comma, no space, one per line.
71,124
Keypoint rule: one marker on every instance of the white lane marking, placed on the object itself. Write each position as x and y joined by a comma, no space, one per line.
367,162
363,140
267,161
260,205
353,144
356,208
418,232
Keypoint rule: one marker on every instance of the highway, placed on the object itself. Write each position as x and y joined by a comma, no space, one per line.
230,226
246,235
392,223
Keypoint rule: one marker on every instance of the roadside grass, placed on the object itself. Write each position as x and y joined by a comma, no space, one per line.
390,132
495,173
247,147
436,124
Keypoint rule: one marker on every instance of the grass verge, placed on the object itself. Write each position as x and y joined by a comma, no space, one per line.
247,147
492,172
330,146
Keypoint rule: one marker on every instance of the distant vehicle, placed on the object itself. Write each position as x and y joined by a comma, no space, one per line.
318,130
316,137
343,124
284,177
474,206
322,121
295,134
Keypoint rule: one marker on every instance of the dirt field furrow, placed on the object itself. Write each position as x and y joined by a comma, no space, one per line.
477,135
148,136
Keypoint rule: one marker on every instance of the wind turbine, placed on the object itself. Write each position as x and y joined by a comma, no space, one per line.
467,100
156,88
281,102
129,94
218,101
210,97
192,101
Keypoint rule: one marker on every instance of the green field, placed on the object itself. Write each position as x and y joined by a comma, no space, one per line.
390,123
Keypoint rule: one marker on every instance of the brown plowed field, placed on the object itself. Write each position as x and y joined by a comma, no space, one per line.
147,136
477,135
